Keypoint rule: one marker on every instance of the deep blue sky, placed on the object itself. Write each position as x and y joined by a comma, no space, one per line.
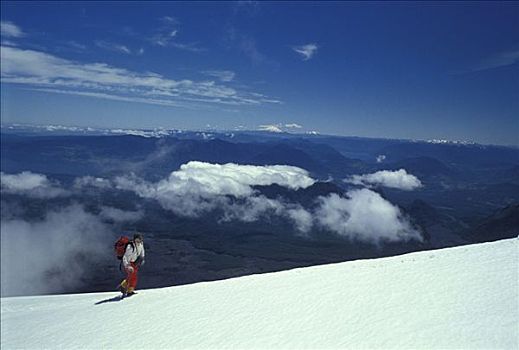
395,70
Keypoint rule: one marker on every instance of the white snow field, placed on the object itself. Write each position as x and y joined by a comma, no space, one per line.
457,298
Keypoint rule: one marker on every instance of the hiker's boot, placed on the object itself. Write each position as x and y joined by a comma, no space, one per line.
123,287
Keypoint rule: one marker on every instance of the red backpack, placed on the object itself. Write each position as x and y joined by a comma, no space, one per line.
120,246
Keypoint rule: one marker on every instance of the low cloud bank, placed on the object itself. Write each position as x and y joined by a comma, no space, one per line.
365,216
30,184
50,255
118,215
90,181
394,179
198,188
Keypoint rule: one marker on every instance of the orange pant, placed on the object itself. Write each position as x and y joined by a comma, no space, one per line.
131,277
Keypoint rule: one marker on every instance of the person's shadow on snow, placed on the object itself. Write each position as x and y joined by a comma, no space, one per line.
111,300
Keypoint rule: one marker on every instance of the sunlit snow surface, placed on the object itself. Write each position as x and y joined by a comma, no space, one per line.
464,297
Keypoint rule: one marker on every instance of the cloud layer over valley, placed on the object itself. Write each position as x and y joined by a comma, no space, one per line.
225,192
399,179
365,216
198,188
30,184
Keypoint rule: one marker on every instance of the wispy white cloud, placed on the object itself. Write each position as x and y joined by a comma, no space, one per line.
501,59
293,126
43,70
30,184
10,30
228,190
166,35
119,215
380,158
170,20
394,179
192,47
251,209
302,218
24,181
164,38
90,181
306,51
222,75
233,179
270,128
77,46
249,47
113,47
26,268
8,43
199,187
364,215
279,127
105,96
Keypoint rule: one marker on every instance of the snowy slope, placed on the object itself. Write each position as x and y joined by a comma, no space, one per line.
464,297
